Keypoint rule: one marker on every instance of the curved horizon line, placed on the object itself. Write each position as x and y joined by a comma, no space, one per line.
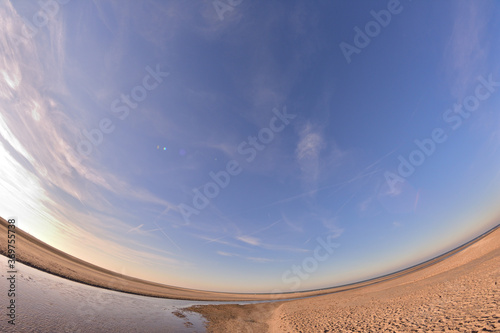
161,290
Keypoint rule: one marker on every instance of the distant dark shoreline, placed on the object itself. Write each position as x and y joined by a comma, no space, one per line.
37,254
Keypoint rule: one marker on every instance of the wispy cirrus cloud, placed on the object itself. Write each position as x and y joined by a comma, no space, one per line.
466,53
268,246
331,225
308,152
226,254
315,155
248,258
47,183
249,240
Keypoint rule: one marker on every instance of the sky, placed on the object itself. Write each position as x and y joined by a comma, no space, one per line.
251,146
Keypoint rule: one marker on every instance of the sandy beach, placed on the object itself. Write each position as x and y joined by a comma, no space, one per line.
456,292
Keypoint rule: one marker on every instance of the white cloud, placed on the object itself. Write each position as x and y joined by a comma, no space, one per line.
363,206
260,260
466,52
249,240
310,144
253,259
293,225
307,152
332,225
316,156
226,254
219,240
136,229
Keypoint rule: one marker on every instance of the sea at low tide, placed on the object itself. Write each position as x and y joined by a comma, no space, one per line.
48,303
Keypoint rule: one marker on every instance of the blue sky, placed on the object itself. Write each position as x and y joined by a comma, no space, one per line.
117,116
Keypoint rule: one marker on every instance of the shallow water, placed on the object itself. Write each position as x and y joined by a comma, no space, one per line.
48,303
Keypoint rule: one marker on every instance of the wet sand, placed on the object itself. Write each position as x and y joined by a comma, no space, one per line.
45,303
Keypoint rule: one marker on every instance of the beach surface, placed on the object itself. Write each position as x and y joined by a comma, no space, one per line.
455,292
458,294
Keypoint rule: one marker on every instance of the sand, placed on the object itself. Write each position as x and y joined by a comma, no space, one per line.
458,294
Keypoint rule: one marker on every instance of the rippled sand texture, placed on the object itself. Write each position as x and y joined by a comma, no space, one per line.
459,294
